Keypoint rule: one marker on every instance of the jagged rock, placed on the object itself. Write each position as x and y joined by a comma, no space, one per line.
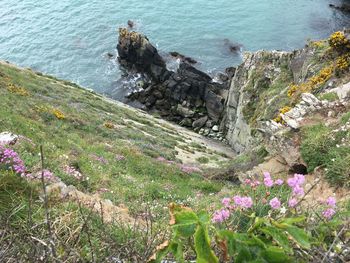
214,105
182,57
310,99
342,91
200,122
344,7
230,71
135,51
290,122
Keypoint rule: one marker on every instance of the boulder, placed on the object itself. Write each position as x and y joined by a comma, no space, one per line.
215,128
199,123
184,112
310,99
214,105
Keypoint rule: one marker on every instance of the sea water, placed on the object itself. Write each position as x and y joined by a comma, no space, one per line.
71,39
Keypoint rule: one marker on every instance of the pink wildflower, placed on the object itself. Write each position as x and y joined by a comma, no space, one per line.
268,182
279,182
328,213
292,202
237,200
226,201
72,171
220,216
267,174
267,179
331,201
275,203
248,181
298,191
246,202
11,161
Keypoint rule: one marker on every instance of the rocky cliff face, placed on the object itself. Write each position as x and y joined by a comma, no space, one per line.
258,91
242,108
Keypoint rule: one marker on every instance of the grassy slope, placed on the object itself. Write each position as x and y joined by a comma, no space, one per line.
82,135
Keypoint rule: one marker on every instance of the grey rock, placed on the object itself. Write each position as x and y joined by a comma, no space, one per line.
214,105
7,138
200,122
215,128
290,122
310,99
183,111
187,122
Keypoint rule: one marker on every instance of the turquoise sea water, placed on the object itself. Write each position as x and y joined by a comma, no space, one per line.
71,38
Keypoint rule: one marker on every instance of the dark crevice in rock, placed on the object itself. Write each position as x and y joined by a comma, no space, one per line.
298,168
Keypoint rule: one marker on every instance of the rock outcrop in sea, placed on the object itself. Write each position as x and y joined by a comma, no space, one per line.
188,96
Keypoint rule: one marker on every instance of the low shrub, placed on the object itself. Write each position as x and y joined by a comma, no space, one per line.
330,96
322,146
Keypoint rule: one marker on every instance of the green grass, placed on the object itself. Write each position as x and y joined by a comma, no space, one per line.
82,135
203,159
331,96
345,118
90,137
328,148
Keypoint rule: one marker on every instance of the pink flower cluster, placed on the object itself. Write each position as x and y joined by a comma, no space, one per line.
72,171
275,203
329,212
230,204
11,161
99,158
295,183
221,216
47,174
268,182
252,183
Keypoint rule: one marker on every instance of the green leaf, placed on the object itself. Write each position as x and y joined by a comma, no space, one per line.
185,217
234,240
244,255
204,217
300,236
202,246
279,236
257,223
176,250
185,223
291,221
275,255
